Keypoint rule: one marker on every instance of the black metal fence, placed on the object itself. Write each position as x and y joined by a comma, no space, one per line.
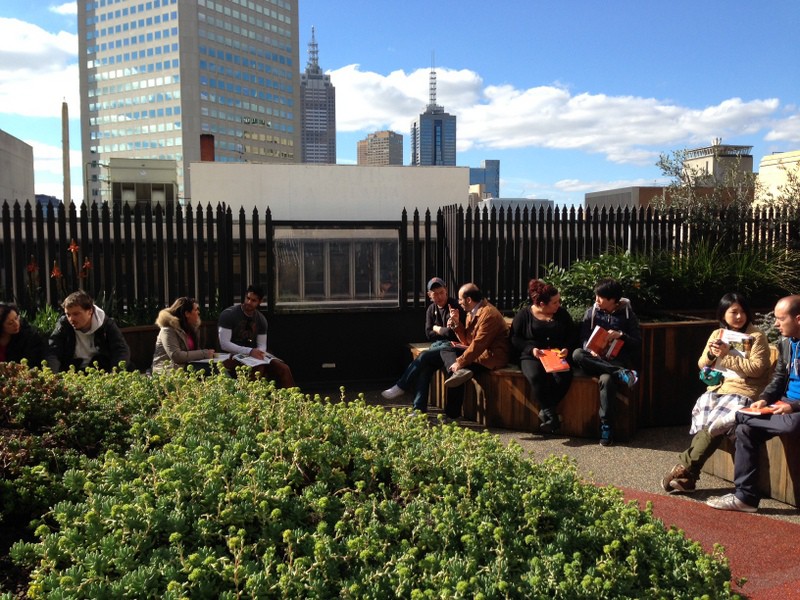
154,254
502,250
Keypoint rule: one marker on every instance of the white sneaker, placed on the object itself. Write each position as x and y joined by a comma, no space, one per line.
722,424
393,392
730,502
458,378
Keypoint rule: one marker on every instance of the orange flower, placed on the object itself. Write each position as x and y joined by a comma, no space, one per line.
32,266
73,247
56,272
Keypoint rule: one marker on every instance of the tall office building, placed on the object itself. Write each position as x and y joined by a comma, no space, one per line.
380,149
487,175
318,110
157,75
433,134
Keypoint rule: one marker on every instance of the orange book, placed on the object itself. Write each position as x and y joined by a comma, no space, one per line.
764,410
599,343
553,362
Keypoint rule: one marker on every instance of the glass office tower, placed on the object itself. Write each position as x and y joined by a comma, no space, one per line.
158,74
433,134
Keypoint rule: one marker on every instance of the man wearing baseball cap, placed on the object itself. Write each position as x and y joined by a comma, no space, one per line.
439,330
438,313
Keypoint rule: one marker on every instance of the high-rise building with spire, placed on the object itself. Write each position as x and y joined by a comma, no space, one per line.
318,100
433,133
156,76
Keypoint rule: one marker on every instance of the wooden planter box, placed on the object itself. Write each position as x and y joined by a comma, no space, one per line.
669,383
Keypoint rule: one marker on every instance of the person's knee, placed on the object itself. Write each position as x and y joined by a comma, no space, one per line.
793,426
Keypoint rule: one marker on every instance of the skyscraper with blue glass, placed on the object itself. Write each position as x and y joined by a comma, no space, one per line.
433,134
158,74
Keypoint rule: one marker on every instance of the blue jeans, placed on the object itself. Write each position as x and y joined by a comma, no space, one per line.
417,377
751,433
606,373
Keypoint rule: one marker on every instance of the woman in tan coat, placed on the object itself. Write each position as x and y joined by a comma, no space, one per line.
178,341
735,362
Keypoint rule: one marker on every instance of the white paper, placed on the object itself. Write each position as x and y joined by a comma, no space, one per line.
254,362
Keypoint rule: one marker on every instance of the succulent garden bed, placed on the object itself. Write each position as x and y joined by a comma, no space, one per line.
185,487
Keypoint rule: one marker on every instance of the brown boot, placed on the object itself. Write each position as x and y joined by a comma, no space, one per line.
677,472
685,485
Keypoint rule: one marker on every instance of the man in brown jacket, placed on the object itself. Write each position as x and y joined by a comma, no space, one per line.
483,338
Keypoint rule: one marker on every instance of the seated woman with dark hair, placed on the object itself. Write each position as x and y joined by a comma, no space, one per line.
178,342
544,325
737,355
18,340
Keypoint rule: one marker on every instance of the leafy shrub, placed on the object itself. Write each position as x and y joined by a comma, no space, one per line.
701,276
766,323
576,284
49,421
44,320
236,489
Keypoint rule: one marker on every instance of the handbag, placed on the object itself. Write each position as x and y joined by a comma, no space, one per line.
710,377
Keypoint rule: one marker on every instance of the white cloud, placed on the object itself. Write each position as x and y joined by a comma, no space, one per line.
68,8
625,129
786,130
38,70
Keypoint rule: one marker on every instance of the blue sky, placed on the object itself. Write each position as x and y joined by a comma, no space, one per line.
571,96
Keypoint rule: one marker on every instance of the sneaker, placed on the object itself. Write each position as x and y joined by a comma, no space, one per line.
414,413
628,376
676,472
458,378
551,425
606,435
393,392
730,502
722,424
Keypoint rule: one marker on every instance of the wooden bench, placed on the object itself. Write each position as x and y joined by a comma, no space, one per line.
502,398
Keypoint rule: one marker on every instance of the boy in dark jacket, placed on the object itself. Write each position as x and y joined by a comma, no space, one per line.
85,335
613,313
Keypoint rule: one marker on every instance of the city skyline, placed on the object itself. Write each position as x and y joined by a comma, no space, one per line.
571,98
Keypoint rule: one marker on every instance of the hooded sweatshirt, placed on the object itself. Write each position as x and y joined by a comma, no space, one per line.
85,347
622,319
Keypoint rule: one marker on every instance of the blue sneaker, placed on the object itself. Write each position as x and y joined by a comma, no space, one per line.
628,376
606,435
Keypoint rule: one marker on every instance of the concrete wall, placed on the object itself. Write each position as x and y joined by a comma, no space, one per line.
629,197
16,169
329,192
774,168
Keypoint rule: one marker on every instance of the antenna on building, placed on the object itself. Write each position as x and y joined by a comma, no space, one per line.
313,52
432,82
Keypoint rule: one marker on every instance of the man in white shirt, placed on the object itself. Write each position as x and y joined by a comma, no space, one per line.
242,329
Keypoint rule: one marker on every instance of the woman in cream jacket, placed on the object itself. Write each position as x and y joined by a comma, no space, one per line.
178,342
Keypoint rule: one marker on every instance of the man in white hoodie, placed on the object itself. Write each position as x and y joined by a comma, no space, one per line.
83,335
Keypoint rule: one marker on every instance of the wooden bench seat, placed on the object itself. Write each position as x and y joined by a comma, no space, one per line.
502,398
778,468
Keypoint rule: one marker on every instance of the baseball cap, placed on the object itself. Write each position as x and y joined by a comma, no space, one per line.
435,282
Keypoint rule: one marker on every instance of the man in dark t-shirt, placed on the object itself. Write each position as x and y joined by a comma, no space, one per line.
243,330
